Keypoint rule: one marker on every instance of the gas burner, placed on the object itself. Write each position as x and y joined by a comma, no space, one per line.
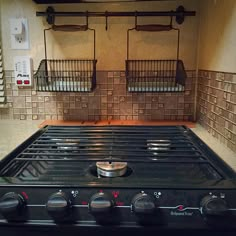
68,144
158,145
69,147
111,168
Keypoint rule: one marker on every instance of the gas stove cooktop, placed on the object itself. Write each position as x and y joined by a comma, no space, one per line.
124,176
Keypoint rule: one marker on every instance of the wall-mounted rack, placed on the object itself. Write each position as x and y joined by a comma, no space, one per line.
155,75
63,75
179,14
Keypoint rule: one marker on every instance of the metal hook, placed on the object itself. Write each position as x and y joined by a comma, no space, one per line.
106,16
87,18
50,17
171,21
136,18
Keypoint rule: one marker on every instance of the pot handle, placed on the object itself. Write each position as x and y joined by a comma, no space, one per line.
70,28
153,27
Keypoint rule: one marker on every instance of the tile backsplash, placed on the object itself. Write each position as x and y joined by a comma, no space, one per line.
109,101
216,105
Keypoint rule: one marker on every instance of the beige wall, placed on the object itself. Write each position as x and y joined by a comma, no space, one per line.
111,44
217,44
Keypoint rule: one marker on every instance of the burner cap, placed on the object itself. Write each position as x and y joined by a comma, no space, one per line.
111,168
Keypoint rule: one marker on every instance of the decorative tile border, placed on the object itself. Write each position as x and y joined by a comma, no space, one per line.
109,101
216,105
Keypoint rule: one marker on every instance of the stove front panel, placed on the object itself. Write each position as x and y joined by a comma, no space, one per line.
184,209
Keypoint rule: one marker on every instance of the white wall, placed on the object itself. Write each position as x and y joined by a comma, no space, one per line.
217,44
111,44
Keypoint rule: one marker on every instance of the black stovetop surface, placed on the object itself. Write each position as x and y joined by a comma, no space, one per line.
156,156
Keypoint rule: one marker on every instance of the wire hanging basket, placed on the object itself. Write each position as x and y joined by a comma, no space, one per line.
155,75
66,75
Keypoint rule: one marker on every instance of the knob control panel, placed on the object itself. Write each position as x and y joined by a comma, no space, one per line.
58,205
143,203
170,208
214,206
101,203
12,206
144,208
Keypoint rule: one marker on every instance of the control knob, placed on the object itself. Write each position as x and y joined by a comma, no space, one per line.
143,203
101,203
214,206
58,205
12,206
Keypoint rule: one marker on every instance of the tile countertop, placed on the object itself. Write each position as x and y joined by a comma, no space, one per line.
14,132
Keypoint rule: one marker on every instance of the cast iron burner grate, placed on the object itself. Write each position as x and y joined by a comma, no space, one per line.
154,153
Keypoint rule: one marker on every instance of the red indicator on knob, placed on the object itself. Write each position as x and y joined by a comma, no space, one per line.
115,194
84,203
24,194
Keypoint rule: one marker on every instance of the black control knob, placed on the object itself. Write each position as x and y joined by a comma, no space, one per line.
12,205
214,206
143,203
101,203
58,205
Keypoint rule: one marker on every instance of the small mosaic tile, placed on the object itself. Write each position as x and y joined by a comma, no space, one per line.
215,107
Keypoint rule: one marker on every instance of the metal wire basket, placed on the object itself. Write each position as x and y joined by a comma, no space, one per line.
155,75
66,75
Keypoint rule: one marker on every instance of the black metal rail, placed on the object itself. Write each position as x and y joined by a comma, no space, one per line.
179,14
